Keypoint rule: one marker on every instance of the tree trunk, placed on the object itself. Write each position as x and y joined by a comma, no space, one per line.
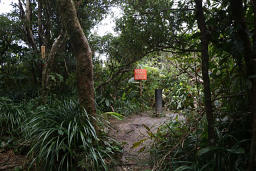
26,18
29,27
252,71
252,161
205,67
48,63
47,23
82,52
40,26
249,54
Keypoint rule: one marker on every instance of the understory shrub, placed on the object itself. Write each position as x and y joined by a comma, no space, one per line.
62,137
11,117
126,103
182,145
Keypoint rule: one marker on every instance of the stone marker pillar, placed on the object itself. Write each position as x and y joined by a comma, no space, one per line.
159,101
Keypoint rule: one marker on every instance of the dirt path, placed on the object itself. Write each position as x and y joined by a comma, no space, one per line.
10,161
131,130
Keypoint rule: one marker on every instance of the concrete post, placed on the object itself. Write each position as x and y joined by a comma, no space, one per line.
159,101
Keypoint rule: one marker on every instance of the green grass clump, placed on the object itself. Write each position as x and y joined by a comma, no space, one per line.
11,117
63,138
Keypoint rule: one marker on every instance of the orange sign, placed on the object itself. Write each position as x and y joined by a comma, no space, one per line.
140,74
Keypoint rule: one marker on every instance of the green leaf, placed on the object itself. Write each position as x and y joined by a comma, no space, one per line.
138,143
150,134
115,115
145,126
181,168
107,102
236,151
206,150
142,149
124,96
60,132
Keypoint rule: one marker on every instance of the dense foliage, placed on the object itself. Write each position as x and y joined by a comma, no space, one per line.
166,38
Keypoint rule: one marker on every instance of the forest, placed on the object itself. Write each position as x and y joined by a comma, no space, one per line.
69,99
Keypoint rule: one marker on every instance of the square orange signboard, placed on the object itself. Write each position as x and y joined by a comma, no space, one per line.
140,74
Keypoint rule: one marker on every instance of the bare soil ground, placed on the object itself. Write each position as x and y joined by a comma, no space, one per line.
10,161
131,130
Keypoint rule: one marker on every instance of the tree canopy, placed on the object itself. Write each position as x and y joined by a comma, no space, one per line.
200,53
